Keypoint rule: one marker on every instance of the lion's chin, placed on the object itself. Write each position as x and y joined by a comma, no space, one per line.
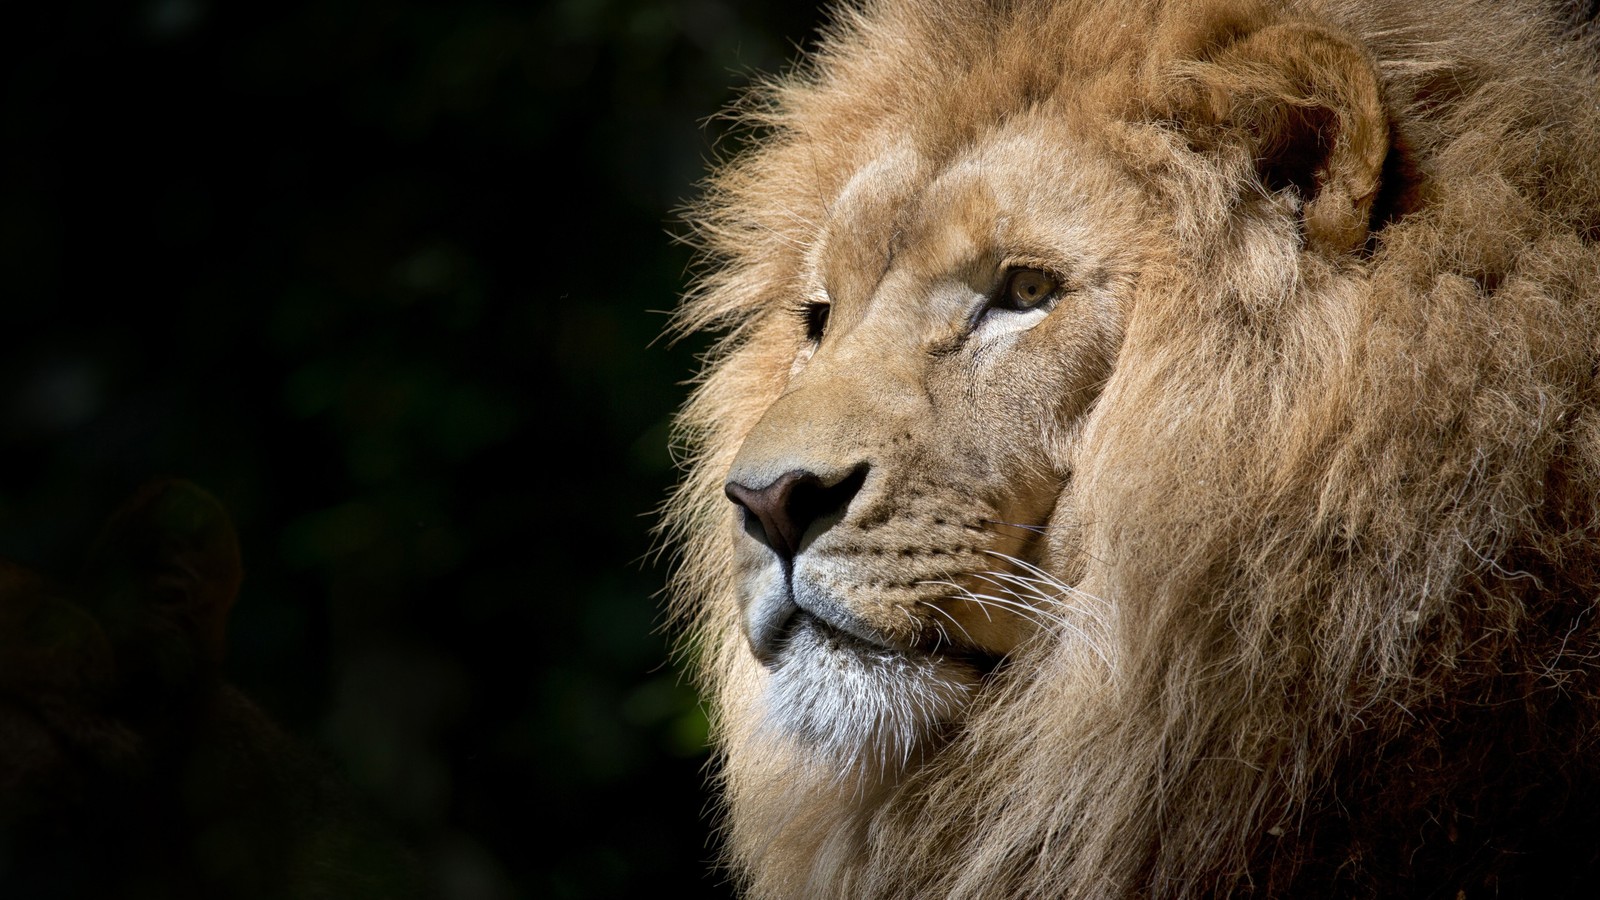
859,709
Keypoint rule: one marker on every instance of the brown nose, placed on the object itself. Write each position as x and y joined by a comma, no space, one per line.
794,501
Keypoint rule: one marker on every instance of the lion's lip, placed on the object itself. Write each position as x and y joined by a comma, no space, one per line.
975,664
796,605
863,641
772,622
827,609
804,621
774,615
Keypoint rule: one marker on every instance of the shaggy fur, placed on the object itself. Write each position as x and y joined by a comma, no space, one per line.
1270,546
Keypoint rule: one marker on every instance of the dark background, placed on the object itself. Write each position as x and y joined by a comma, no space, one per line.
388,279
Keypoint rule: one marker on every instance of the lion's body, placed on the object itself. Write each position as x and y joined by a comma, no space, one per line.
1260,557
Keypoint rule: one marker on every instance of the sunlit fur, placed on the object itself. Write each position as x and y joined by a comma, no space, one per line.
1313,612
870,715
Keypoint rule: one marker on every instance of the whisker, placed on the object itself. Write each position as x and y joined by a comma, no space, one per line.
953,620
1035,529
1043,590
1042,617
1016,604
1016,607
1046,577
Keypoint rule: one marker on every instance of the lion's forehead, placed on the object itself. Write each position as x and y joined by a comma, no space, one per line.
963,218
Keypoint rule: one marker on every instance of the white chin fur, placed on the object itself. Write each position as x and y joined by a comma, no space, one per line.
860,710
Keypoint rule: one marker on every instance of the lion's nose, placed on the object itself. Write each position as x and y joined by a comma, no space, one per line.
793,502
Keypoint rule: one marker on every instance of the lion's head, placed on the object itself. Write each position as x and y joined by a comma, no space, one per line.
1154,451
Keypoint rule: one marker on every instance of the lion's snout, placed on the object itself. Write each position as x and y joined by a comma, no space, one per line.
784,510
785,514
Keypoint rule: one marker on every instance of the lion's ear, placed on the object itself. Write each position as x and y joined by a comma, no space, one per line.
1306,103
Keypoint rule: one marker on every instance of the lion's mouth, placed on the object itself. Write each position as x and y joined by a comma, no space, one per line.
797,609
815,631
866,708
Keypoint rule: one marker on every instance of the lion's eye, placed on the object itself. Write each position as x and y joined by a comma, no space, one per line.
815,315
1025,289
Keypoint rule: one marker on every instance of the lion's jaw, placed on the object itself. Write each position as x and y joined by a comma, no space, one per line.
896,501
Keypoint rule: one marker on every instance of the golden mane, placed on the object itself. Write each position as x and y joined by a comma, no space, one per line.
1341,505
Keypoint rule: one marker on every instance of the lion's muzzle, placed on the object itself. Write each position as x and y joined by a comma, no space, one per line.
784,515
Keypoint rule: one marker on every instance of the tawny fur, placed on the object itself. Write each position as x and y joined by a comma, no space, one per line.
1333,513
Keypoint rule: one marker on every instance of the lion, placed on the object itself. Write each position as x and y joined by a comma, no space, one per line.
1153,450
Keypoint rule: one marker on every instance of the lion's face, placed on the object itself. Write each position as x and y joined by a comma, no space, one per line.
900,498
1153,453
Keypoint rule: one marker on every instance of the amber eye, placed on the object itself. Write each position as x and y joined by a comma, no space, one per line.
1025,289
815,315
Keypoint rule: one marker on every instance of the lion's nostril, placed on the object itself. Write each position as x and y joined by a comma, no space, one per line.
788,506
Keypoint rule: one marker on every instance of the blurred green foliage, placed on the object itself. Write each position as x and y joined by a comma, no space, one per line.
387,279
